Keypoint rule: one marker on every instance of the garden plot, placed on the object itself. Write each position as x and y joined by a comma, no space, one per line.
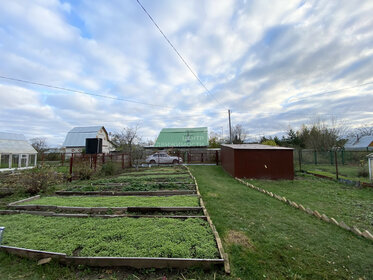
159,181
171,230
117,201
120,237
178,206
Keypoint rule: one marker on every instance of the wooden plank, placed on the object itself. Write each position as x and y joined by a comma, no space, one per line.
153,174
135,262
24,200
32,254
144,262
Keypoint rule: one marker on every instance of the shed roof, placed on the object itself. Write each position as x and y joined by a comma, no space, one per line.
255,147
361,143
182,137
76,136
12,143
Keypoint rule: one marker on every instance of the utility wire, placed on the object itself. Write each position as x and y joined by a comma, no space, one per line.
82,92
178,53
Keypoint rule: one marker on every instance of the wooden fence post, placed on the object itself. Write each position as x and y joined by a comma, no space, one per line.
217,157
71,167
122,161
103,158
201,157
336,163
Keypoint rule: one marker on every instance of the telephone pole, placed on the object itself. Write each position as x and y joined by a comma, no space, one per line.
230,127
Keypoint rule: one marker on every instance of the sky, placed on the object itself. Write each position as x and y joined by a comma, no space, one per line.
275,64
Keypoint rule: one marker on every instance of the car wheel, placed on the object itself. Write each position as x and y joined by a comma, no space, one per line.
175,161
152,161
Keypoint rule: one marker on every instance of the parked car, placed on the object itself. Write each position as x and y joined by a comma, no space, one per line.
163,158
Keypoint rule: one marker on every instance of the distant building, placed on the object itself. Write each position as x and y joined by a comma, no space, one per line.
364,143
182,138
75,140
16,152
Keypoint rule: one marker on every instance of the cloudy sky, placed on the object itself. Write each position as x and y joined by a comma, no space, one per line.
275,64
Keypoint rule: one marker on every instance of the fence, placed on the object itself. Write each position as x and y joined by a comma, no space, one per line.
339,164
193,156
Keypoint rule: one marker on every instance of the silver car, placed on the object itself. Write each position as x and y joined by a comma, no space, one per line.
163,158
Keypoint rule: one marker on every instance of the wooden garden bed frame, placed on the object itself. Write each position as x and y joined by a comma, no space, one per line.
115,261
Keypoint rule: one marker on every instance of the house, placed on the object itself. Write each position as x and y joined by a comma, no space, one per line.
75,141
257,161
182,138
364,143
16,152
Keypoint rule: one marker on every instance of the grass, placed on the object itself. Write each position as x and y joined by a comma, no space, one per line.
267,239
349,172
117,201
122,237
344,203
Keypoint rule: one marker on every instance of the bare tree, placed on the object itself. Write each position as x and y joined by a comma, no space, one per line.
238,134
361,131
125,140
39,144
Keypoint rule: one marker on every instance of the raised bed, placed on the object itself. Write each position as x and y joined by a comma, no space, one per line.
137,243
129,193
114,201
95,214
118,210
115,261
125,187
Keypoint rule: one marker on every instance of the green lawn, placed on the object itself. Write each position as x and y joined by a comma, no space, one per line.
349,172
117,201
267,239
121,237
345,203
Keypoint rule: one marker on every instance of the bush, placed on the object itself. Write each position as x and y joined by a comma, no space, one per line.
83,170
38,179
108,169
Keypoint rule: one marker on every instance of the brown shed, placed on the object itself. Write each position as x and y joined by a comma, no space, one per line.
257,161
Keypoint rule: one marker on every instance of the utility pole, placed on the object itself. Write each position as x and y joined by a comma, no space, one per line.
230,127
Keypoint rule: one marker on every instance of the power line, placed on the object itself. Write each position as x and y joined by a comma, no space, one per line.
82,92
178,53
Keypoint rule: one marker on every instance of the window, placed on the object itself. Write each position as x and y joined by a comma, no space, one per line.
23,160
15,161
4,161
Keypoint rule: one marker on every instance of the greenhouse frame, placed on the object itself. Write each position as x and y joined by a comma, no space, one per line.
16,152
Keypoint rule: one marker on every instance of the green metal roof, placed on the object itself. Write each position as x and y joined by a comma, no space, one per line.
182,137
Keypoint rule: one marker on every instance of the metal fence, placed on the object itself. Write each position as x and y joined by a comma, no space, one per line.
339,164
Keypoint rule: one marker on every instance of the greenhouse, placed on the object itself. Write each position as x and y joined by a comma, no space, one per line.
16,152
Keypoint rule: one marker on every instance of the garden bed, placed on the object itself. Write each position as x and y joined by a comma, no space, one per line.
116,201
137,186
121,237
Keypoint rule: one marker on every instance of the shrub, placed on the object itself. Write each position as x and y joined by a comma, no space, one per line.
108,169
83,170
38,179
363,169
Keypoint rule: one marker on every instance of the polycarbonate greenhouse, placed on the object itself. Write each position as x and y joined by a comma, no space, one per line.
16,152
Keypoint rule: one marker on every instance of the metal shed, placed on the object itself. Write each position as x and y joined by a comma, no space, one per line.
16,152
258,161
